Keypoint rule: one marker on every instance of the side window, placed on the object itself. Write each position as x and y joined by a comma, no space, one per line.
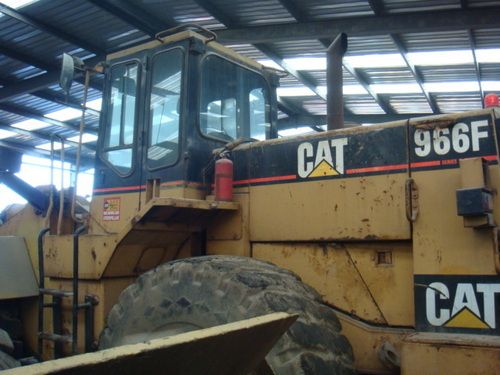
221,118
259,125
234,101
120,124
164,108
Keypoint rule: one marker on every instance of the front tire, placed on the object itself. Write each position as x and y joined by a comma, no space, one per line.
202,292
7,362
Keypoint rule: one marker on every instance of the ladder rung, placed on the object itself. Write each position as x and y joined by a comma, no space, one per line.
56,292
54,337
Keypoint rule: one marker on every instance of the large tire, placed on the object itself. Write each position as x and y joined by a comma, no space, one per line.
7,362
201,292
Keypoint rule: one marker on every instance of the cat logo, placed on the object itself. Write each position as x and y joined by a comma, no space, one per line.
324,159
459,304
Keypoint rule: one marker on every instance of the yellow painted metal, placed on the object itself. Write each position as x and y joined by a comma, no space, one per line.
441,244
106,291
366,208
350,276
438,353
366,341
218,350
228,234
150,237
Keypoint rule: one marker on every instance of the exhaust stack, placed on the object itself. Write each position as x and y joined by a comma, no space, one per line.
335,100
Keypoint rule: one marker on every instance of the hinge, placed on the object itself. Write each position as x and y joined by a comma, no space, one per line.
411,200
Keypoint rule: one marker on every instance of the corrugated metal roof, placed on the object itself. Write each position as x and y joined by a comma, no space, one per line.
84,28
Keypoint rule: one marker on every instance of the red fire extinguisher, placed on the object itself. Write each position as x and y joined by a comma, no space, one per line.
223,179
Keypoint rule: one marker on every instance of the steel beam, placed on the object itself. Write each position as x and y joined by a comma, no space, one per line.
414,71
16,54
444,20
37,83
378,8
49,29
12,145
135,16
264,48
44,136
72,102
28,113
292,8
297,120
476,64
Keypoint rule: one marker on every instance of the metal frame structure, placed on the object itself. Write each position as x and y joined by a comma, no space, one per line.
376,17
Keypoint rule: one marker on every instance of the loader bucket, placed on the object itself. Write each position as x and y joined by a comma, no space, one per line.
232,349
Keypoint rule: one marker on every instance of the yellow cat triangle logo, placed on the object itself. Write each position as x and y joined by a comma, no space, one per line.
323,169
466,319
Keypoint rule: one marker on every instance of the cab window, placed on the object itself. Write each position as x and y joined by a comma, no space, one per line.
120,124
164,108
234,101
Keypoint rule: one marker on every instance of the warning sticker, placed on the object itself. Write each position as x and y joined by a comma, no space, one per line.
111,209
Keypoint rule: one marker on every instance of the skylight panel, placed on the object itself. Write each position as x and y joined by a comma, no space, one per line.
396,88
270,64
64,114
466,86
491,85
346,89
294,131
306,63
30,125
16,4
294,91
47,146
489,55
6,134
95,104
86,137
441,58
384,60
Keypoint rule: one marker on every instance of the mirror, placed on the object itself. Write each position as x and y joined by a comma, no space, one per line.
67,73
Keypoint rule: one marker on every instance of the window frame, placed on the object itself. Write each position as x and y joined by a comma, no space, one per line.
147,107
106,123
242,66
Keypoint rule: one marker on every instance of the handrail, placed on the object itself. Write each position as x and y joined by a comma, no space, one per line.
79,149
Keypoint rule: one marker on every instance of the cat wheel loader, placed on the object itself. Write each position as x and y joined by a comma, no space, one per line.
382,239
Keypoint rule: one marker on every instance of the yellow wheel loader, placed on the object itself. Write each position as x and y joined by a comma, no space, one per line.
382,239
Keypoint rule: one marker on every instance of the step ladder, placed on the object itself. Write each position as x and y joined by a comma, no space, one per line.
56,305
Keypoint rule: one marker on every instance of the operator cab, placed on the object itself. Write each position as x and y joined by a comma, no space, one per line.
168,104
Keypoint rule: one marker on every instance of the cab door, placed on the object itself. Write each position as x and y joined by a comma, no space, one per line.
164,121
118,172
